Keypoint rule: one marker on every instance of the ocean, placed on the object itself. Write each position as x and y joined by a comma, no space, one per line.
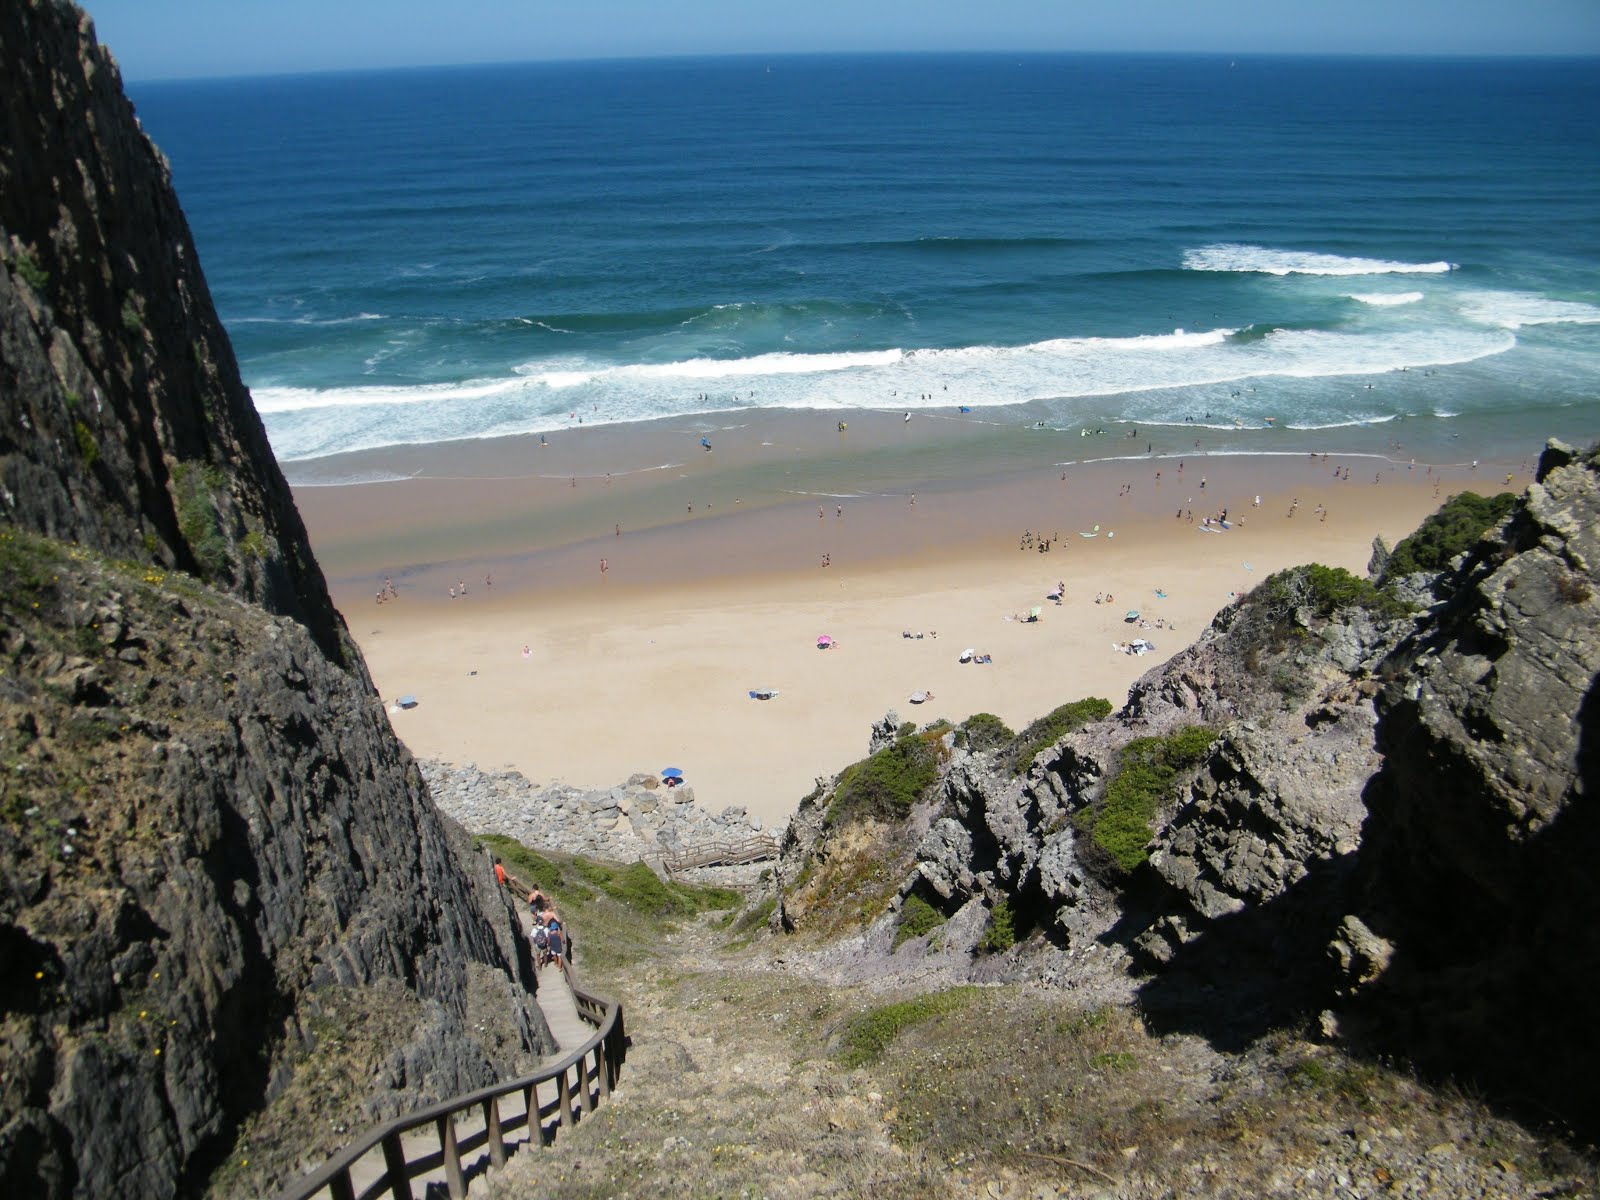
1282,252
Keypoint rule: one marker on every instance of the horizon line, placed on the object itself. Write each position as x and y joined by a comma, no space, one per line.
790,56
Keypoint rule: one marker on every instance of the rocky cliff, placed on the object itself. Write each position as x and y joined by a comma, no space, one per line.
1375,820
233,924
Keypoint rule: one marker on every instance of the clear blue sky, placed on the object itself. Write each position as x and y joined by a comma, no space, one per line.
161,39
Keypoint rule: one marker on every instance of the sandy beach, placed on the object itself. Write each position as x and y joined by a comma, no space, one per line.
723,568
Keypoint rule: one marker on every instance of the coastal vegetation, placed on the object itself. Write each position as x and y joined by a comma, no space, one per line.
868,1035
1456,526
886,784
1119,825
616,911
1052,727
917,917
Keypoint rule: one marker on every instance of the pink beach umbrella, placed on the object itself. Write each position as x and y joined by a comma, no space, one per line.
824,642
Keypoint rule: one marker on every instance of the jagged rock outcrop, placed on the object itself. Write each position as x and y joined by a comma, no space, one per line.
1392,828
233,924
1479,846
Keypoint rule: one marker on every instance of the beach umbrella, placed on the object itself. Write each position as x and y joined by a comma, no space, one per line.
672,773
918,697
824,642
1033,613
968,654
407,702
1131,615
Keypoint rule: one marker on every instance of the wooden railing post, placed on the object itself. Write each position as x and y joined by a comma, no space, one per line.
602,1068
340,1187
491,1122
452,1157
585,1096
564,1098
394,1160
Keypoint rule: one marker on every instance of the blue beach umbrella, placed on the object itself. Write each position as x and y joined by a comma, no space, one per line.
672,773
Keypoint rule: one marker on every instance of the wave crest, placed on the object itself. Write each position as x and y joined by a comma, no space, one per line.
1262,260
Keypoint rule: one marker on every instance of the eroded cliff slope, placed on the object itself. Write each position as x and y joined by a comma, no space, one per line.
232,923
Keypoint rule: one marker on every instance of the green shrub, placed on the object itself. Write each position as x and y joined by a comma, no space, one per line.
88,449
984,731
917,917
1002,931
869,1034
1324,591
1458,525
886,785
1120,824
132,319
1054,726
198,521
28,267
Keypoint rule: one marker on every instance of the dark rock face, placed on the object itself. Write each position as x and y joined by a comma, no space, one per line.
123,423
1480,843
233,926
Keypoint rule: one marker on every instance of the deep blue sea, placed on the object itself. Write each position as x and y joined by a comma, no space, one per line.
1252,245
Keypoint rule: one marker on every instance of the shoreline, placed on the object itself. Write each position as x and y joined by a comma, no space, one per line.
650,662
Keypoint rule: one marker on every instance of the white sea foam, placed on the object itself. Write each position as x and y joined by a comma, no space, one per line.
308,321
1234,256
1514,310
1386,299
1059,374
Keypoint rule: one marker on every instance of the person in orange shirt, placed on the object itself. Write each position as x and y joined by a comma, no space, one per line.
499,873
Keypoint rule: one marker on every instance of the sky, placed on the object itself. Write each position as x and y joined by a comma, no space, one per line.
169,39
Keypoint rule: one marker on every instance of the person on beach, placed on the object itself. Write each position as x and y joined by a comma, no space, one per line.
604,567
499,873
452,593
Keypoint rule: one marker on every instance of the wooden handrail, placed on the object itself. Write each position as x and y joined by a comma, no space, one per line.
751,849
607,1047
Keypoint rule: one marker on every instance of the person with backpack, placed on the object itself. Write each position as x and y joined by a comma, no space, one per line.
557,942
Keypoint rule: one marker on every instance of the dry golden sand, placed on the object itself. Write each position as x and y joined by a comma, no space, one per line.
650,663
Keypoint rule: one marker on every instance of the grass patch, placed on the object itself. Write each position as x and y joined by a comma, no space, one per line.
1119,825
581,880
917,917
869,1034
1054,726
